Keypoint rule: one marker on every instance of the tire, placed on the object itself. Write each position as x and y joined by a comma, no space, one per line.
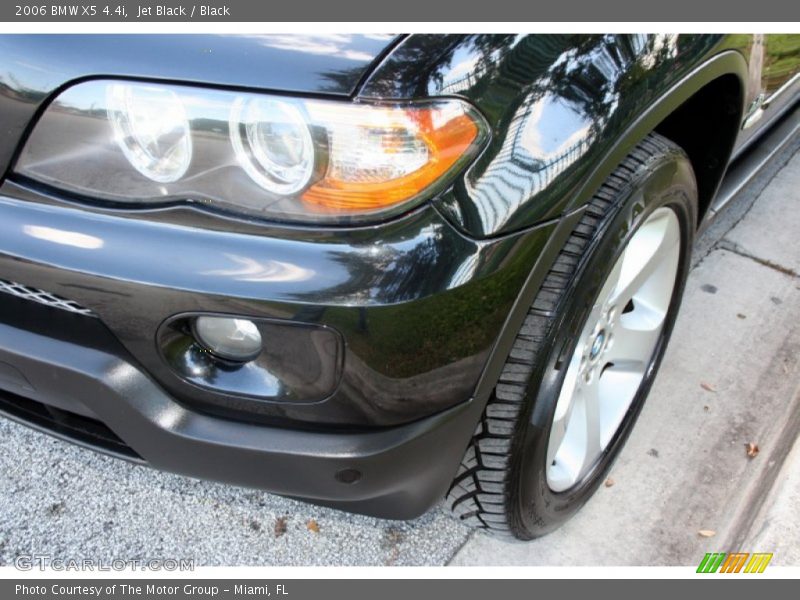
502,485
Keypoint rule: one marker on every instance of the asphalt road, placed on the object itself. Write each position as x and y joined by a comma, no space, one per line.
731,377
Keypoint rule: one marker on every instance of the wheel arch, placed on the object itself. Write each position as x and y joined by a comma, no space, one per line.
702,113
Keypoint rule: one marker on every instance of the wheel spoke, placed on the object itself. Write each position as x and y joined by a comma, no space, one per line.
557,433
635,336
591,401
618,386
649,249
609,289
565,466
564,408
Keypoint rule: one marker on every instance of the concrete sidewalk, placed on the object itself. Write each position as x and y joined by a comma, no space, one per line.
731,377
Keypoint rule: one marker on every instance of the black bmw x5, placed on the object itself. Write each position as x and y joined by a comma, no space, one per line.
366,271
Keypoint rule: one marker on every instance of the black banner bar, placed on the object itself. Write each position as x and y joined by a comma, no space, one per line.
385,589
450,11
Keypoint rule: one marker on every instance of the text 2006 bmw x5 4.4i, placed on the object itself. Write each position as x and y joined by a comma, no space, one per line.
370,272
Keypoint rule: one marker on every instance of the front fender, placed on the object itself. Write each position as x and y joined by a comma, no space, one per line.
563,109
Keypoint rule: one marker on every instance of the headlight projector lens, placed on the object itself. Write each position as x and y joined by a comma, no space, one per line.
272,143
151,129
229,338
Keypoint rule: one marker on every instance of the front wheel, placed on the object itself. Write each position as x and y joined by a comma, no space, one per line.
585,358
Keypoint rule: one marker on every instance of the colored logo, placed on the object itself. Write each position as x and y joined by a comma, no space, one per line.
734,562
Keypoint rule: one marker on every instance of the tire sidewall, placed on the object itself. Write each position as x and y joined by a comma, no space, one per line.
667,180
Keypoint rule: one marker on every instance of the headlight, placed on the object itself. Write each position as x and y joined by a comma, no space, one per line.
273,157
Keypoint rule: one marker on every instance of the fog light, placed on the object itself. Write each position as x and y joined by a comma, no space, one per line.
229,338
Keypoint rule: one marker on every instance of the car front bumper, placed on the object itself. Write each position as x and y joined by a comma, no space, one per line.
419,306
387,473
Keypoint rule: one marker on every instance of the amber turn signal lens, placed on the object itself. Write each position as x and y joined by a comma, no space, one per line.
422,145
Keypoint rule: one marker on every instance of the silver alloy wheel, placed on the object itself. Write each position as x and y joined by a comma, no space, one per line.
614,350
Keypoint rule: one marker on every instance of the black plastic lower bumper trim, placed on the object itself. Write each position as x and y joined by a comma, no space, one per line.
394,473
66,425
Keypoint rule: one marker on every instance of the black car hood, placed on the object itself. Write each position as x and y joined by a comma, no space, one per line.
320,64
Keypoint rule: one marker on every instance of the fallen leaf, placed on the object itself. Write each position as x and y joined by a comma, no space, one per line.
708,387
707,533
312,526
610,482
752,449
280,526
741,316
